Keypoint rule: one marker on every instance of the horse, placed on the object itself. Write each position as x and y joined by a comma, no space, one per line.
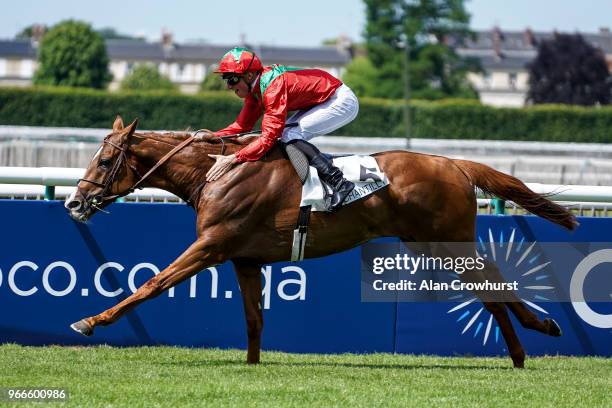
429,199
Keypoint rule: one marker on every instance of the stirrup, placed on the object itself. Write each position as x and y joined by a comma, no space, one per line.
345,188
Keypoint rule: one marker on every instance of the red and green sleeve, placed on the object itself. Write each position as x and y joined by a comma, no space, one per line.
251,111
272,124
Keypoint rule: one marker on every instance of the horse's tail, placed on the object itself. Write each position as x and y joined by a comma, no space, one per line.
510,188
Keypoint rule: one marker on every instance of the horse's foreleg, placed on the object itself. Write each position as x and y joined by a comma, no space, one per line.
249,278
193,260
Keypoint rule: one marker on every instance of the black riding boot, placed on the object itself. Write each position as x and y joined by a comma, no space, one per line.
330,174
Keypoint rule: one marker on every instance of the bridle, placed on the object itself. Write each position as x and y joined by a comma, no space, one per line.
100,199
103,197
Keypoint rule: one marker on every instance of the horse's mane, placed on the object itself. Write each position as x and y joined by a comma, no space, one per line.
210,138
241,140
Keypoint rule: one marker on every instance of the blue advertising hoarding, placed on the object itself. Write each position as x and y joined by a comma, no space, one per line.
54,271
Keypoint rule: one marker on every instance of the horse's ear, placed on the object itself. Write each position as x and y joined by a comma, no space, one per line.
131,127
118,124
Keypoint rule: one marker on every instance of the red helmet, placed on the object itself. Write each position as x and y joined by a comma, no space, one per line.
239,61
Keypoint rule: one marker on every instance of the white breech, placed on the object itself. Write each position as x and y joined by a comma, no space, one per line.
341,108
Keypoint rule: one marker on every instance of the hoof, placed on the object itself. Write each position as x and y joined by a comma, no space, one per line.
82,327
553,328
518,359
518,363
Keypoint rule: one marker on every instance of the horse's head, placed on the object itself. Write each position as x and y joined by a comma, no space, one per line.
108,176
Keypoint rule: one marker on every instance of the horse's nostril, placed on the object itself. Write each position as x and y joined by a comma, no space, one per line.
73,205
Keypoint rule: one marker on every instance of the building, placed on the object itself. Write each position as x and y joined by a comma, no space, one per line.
504,56
185,64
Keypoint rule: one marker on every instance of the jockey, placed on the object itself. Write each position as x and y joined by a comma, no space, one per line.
322,104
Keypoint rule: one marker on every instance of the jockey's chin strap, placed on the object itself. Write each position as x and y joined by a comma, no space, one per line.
250,84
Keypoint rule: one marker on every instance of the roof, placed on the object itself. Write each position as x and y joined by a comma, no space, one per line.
513,50
17,48
527,40
133,50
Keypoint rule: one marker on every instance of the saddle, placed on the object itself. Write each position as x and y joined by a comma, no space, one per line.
362,170
300,161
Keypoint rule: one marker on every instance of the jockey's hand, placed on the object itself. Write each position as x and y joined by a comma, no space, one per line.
221,166
203,133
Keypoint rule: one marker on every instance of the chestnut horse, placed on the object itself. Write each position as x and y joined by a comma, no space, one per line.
429,199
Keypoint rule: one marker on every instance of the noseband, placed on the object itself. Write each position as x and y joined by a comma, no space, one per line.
110,176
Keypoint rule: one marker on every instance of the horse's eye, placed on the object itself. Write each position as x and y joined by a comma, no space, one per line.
104,163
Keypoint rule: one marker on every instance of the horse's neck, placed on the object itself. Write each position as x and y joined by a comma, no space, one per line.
181,174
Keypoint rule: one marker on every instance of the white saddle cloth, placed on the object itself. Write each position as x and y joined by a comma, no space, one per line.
361,170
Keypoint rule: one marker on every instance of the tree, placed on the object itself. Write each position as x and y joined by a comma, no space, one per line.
29,31
361,76
212,82
72,54
426,26
569,70
147,78
109,33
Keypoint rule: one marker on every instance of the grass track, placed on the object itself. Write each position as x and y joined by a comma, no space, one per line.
167,376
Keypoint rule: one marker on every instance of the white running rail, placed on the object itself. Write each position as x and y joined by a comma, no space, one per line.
20,182
30,183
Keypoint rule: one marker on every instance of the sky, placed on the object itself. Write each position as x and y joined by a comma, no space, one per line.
292,23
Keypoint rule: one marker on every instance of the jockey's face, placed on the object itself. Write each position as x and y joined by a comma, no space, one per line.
241,88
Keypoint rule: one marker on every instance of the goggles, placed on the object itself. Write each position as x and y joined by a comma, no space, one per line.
231,79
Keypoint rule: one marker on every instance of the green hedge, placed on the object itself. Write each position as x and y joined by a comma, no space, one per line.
451,119
556,123
91,108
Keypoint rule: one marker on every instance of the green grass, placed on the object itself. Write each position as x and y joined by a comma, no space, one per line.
167,376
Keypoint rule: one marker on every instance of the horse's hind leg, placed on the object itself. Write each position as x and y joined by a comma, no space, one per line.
529,320
499,312
526,317
249,278
466,248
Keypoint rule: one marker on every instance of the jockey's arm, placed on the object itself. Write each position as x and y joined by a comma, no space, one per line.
251,111
272,124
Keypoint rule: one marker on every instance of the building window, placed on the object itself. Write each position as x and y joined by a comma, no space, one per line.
27,69
512,80
13,68
487,80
